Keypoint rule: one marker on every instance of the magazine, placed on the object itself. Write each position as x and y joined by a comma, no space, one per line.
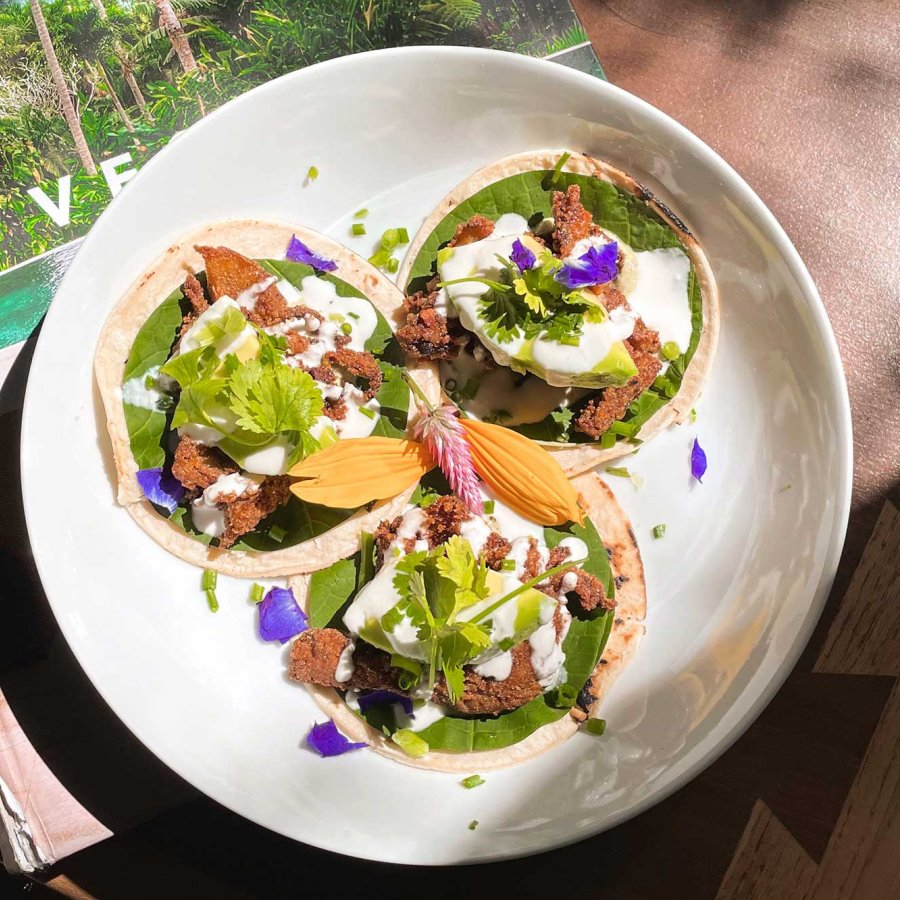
91,89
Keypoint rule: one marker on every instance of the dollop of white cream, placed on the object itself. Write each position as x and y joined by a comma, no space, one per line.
547,656
136,393
497,667
660,296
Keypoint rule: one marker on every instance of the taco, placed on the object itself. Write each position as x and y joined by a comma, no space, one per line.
562,299
246,347
463,642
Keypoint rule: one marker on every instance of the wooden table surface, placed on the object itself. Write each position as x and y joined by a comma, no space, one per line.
803,99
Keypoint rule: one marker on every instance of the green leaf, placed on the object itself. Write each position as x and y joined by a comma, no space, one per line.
583,646
275,399
153,342
329,590
598,560
195,365
529,194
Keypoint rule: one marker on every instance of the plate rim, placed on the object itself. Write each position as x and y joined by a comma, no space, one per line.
821,329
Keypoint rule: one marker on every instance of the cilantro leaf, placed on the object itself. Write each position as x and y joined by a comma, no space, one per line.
271,400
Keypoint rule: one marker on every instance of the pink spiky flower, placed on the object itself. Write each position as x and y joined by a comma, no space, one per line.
439,429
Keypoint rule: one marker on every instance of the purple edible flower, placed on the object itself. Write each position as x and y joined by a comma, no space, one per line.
161,487
326,740
698,461
297,251
384,698
523,258
280,618
597,266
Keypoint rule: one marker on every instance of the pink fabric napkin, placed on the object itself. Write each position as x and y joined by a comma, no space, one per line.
40,821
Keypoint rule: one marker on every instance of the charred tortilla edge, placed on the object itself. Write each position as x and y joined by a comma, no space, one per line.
577,458
616,533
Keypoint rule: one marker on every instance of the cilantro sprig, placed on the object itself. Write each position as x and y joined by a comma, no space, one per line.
533,303
435,586
263,398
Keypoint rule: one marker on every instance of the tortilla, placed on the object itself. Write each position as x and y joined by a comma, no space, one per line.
608,516
579,457
257,240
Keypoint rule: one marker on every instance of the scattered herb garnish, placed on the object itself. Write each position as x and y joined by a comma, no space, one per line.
208,583
693,415
636,480
358,229
312,173
557,169
257,592
787,487
489,506
277,533
361,213
391,239
670,350
595,726
659,531
410,743
472,781
473,824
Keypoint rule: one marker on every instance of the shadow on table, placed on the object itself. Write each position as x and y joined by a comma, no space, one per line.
88,749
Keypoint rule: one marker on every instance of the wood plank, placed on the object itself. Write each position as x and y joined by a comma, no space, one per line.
768,862
864,638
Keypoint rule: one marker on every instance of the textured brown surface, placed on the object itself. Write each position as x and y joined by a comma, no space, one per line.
803,99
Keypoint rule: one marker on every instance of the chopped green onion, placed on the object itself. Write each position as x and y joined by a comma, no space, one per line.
368,413
659,531
335,317
787,487
360,213
450,384
595,726
473,824
625,429
212,600
393,265
489,507
209,579
618,471
693,415
564,696
410,743
607,440
637,481
353,315
390,239
277,533
670,350
402,235
557,169
346,328
508,565
257,592
313,173
358,229
469,389
471,782
406,681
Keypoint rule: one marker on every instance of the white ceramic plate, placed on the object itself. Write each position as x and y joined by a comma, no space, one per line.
735,586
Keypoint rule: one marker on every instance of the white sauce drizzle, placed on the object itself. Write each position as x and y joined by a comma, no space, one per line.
206,515
497,667
660,296
547,657
345,667
136,393
246,299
